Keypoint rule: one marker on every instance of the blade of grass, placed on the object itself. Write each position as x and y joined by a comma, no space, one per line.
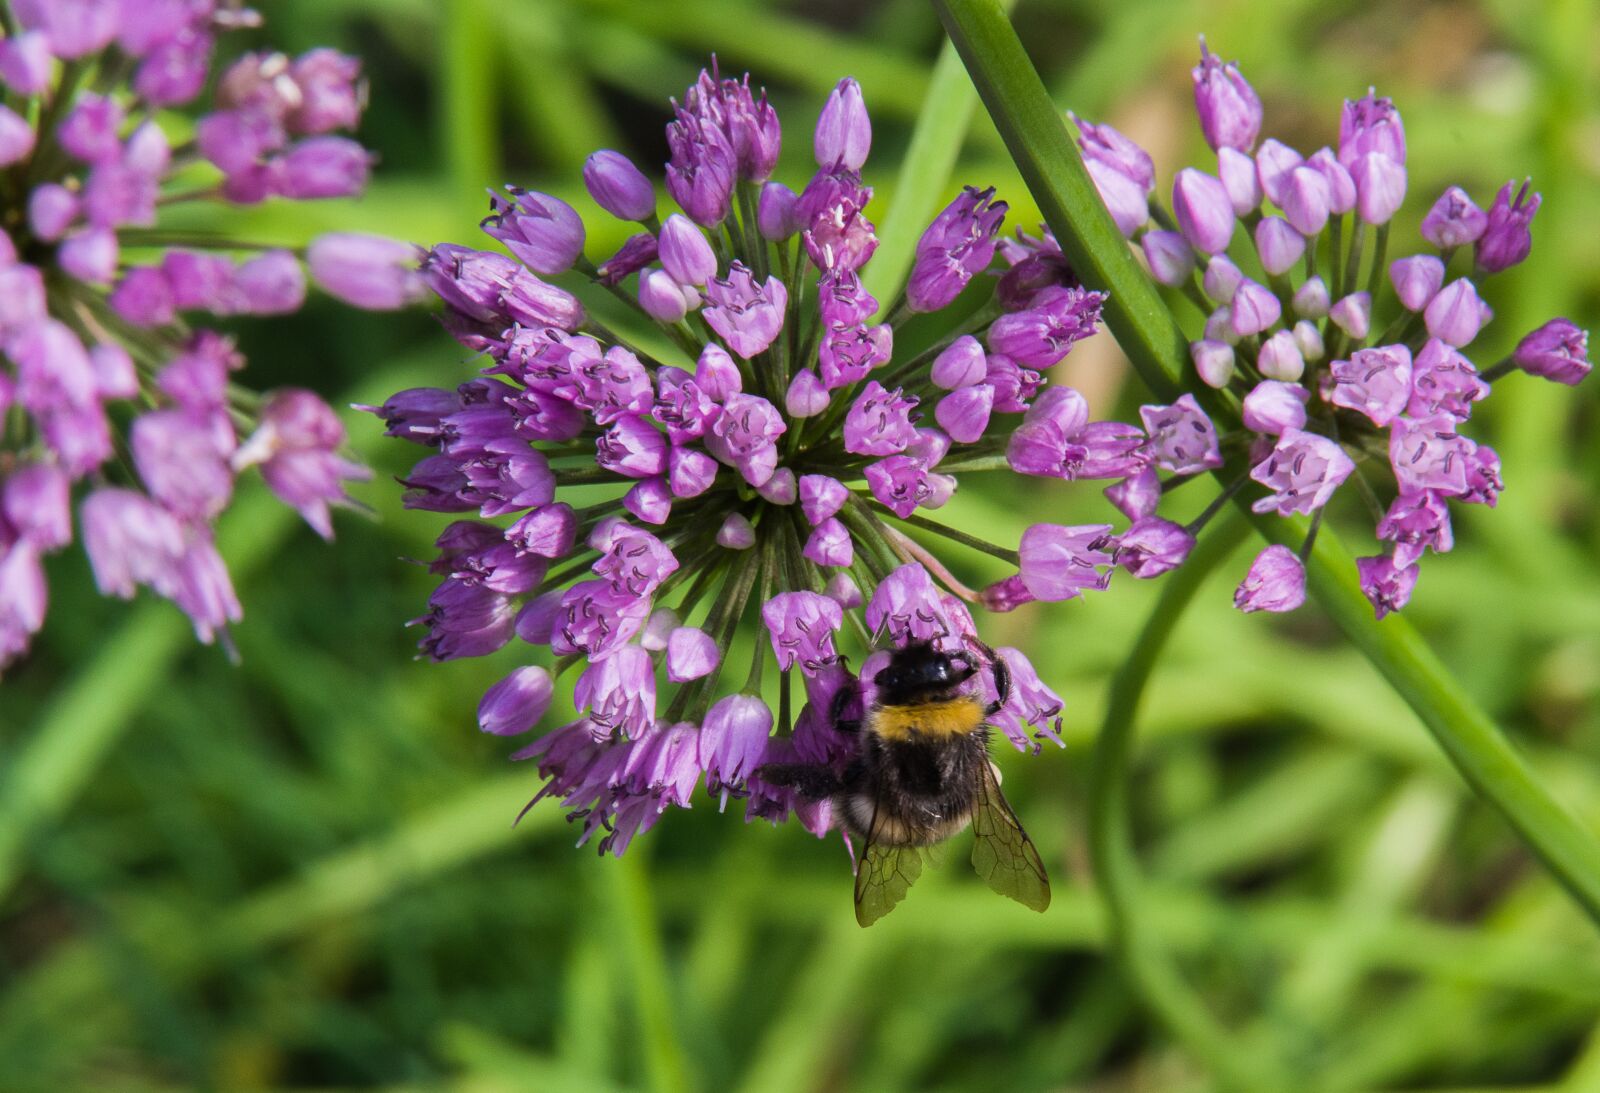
1148,334
468,118
924,173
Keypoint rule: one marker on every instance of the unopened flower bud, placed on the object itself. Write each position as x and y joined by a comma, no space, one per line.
1213,362
1280,358
1416,280
1203,210
618,187
1279,244
1353,315
685,253
1170,258
1311,299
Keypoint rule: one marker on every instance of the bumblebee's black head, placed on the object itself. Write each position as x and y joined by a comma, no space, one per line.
920,673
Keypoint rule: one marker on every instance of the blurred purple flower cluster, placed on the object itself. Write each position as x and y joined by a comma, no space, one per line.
1331,381
767,469
98,359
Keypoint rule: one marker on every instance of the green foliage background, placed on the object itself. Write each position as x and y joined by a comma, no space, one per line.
300,873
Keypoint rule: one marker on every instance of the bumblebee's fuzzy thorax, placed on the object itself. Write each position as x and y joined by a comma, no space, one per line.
958,716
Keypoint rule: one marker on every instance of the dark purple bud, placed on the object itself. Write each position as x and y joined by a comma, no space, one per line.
1558,350
638,252
619,187
702,170
958,244
1506,239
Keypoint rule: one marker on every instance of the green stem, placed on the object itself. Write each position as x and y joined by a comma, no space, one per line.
1146,331
1111,850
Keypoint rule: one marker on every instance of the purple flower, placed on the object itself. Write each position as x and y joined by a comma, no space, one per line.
958,244
1306,196
1415,522
747,316
1229,108
1152,546
1427,454
1273,406
691,654
1274,162
844,132
1353,315
829,544
1182,438
1558,351
1375,382
23,598
1213,362
1254,309
1371,125
1443,381
1416,280
544,232
776,215
879,423
466,619
619,693
1380,186
367,271
35,500
900,483
516,703
1169,256
618,187
1046,331
1282,358
1122,172
1203,210
821,497
802,625
1058,562
964,414
703,168
906,607
1278,243
1454,220
960,364
685,254
836,233
1341,186
1238,174
1386,585
1137,495
733,740
1456,313
1276,582
1506,239
1302,470
296,446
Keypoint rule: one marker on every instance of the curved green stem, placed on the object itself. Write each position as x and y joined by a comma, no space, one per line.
1037,139
1116,869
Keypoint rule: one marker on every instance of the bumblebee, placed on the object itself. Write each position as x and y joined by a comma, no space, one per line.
922,775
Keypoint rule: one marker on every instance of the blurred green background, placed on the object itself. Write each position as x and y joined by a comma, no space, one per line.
300,873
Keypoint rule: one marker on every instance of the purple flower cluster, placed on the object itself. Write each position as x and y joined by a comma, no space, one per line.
1330,380
630,511
89,338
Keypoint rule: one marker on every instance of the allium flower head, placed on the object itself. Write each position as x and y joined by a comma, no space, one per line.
1334,376
632,512
104,352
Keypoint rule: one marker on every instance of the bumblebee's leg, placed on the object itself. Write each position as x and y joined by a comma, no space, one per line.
815,783
841,699
1002,683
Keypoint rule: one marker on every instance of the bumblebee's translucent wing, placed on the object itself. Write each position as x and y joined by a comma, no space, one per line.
884,875
1002,853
